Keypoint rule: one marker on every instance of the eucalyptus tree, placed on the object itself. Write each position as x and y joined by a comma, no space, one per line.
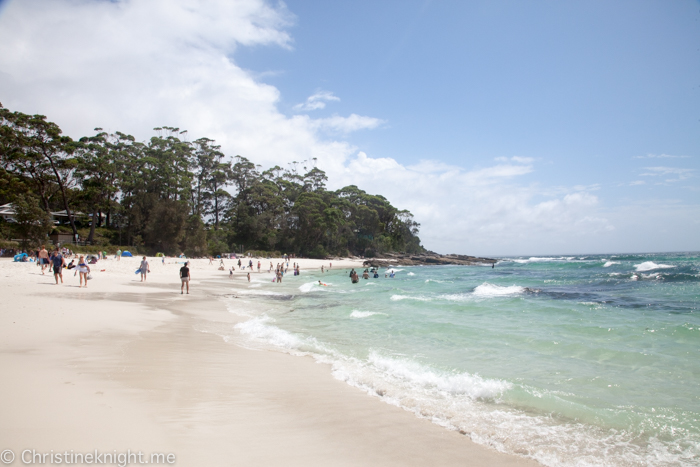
32,221
97,170
36,149
212,174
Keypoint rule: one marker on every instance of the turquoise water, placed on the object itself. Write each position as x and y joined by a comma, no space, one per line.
586,360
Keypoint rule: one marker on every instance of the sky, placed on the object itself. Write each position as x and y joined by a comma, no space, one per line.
505,127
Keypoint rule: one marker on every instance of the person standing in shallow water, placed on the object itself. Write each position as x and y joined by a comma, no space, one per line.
185,278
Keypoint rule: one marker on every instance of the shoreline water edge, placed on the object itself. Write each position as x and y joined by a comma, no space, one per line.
129,366
555,361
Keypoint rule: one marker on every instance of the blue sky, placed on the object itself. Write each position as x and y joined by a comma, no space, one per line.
506,127
584,87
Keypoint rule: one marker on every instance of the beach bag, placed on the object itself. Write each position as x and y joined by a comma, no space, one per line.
89,277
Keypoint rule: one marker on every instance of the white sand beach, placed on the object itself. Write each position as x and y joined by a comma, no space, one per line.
125,365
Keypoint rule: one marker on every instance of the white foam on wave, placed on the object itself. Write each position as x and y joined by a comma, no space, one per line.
650,265
457,297
610,263
307,287
259,329
364,314
420,298
491,290
410,274
258,292
438,281
454,400
419,376
538,259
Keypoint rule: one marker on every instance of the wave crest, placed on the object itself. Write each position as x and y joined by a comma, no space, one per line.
650,265
491,290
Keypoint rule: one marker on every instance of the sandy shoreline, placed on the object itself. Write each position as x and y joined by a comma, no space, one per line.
125,365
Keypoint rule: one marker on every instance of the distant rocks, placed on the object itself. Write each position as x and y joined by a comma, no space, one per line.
425,259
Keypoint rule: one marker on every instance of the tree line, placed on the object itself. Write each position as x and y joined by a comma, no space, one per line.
171,195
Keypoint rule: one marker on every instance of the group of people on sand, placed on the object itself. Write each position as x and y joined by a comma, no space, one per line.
55,262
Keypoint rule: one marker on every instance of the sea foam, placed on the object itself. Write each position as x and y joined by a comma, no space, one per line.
419,376
307,287
650,265
491,290
420,298
259,329
364,314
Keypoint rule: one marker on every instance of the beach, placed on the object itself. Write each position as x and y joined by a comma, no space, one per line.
129,366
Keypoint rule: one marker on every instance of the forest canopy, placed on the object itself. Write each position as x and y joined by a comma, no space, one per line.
172,195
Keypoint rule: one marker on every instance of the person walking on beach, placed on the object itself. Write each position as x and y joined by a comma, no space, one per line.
43,258
83,269
258,266
119,255
248,277
185,277
58,263
144,269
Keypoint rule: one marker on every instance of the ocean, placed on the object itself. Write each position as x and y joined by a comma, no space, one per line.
571,361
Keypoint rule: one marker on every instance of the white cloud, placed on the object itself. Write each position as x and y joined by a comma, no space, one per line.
480,210
134,65
346,125
681,174
660,156
317,101
517,159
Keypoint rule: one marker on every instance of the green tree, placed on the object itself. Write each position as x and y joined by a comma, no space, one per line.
33,222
